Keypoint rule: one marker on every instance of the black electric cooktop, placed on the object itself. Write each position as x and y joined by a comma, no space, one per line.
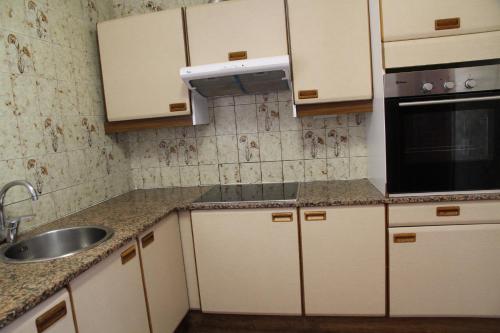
255,192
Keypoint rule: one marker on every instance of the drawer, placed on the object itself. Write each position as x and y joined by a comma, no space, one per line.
429,51
444,213
409,19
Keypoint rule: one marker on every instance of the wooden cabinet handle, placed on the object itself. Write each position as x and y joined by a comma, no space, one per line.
405,238
308,94
282,217
448,211
128,254
238,55
178,107
148,239
447,23
50,317
315,216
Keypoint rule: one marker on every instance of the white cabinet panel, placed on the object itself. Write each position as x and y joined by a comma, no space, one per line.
109,297
164,277
257,27
440,213
56,309
330,48
445,270
246,262
343,254
140,58
410,19
189,259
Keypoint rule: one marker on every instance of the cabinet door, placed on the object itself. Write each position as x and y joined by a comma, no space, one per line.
164,277
223,31
343,257
330,48
445,270
189,259
54,315
140,59
109,297
248,261
409,19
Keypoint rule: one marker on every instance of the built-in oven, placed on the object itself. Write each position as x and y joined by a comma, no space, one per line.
443,130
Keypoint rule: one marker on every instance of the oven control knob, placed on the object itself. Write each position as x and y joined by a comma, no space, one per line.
449,85
427,86
470,83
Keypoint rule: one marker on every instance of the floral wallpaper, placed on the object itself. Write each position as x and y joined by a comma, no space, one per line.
250,139
51,109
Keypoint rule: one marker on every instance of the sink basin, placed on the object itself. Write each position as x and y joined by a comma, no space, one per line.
55,244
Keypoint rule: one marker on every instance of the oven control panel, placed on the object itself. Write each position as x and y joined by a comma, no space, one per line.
442,81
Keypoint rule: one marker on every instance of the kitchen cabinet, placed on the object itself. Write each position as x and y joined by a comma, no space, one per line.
330,49
443,271
164,277
443,259
140,60
54,315
343,258
407,19
236,30
109,297
419,33
248,260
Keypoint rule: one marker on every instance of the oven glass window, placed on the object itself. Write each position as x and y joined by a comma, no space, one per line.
443,147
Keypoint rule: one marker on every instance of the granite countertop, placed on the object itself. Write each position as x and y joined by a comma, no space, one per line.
23,286
443,198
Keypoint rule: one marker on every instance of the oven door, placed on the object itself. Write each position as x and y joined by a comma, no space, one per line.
443,143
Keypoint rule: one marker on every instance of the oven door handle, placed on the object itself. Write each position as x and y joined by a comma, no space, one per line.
451,101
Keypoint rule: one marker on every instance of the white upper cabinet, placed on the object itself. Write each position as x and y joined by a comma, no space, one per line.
410,19
236,29
140,59
330,49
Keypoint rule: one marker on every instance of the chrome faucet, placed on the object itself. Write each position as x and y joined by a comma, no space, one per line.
9,228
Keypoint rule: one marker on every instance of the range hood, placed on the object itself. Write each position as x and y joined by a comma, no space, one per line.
233,78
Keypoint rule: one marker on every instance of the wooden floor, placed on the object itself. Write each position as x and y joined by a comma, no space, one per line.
197,322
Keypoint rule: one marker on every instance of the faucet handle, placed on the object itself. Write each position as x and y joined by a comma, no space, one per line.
12,227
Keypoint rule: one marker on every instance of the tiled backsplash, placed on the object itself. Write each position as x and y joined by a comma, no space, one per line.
251,139
51,109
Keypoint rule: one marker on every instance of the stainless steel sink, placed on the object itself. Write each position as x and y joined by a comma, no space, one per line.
55,244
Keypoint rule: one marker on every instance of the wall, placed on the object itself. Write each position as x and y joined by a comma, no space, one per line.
51,109
250,139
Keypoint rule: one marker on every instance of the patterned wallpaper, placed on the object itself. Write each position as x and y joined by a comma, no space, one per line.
51,109
250,139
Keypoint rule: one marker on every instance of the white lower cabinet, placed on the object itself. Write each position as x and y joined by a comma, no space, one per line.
248,260
343,255
109,297
54,315
450,270
164,276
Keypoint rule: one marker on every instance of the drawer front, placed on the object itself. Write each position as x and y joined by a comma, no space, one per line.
445,270
429,51
409,19
444,213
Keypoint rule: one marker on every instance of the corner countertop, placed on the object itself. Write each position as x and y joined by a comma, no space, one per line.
23,286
